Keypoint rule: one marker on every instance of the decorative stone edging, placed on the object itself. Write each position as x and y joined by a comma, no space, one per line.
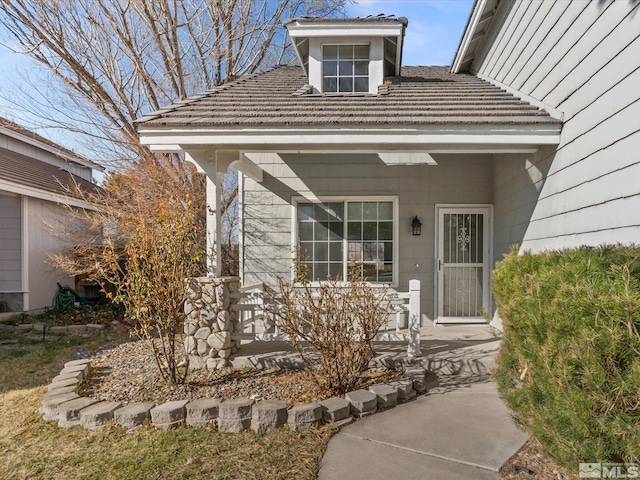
62,403
40,327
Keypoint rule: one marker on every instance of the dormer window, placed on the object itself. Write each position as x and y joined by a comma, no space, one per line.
346,56
345,68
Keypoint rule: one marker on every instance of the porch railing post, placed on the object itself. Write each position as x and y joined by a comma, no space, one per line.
413,349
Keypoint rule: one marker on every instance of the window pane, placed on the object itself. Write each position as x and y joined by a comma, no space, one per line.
346,68
335,231
306,251
329,68
321,252
388,251
385,231
361,84
335,251
322,231
370,272
361,52
346,85
385,273
330,51
335,270
361,68
385,210
305,231
305,211
330,85
354,231
355,252
320,212
345,51
336,211
354,210
320,272
369,231
370,210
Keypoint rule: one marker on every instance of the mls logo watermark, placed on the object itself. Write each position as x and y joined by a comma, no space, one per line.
609,470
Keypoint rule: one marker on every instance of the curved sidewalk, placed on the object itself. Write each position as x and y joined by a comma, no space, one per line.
460,430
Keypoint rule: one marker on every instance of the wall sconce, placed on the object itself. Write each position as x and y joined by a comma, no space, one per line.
416,226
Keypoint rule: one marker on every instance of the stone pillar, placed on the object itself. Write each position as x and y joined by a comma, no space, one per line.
211,321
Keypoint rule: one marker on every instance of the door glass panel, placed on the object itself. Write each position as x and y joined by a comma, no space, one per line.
462,240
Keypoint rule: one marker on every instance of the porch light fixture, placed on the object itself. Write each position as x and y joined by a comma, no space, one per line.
416,226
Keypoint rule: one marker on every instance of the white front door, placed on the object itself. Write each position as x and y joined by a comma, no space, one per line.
463,263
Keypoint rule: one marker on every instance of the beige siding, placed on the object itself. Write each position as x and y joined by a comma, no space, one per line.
581,59
46,222
267,206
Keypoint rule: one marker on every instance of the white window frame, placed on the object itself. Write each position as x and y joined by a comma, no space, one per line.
335,199
353,76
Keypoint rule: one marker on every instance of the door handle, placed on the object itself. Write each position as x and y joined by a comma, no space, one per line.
439,264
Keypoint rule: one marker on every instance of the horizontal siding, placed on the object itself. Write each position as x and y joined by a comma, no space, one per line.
43,216
581,58
267,207
10,243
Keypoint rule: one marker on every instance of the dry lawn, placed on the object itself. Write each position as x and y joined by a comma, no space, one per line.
32,449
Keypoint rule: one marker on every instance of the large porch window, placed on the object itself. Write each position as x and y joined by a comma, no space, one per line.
333,235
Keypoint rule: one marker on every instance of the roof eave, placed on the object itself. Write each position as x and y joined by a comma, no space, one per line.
442,137
478,12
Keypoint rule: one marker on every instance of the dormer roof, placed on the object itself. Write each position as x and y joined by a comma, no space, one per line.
388,27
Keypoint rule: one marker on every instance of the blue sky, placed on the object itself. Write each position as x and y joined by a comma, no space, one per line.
432,37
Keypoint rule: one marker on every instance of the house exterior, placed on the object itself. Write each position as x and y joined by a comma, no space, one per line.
35,174
527,139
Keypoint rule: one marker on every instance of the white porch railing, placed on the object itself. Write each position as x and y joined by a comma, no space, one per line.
257,323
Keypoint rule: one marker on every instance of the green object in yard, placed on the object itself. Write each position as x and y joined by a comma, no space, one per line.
66,297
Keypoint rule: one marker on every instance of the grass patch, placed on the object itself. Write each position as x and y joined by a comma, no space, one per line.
32,448
28,361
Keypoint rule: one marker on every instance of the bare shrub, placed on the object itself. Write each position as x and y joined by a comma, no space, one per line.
337,321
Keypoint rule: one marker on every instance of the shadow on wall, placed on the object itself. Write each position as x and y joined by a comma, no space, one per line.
518,181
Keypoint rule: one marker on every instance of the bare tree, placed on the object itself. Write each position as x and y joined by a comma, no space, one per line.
116,60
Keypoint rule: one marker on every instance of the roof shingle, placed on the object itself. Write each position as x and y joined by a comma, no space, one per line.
420,96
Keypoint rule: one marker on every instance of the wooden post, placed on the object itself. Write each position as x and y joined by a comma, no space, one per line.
413,349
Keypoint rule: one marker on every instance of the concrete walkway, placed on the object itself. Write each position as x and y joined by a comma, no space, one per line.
460,430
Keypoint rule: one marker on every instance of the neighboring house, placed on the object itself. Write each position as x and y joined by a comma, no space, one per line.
35,177
531,138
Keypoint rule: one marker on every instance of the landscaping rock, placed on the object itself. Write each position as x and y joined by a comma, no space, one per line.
196,362
202,333
190,345
304,416
133,414
190,327
405,389
200,413
363,402
73,369
219,340
69,412
65,382
61,390
419,377
203,347
222,296
235,415
387,395
169,415
81,361
267,415
335,409
78,376
224,320
49,407
98,415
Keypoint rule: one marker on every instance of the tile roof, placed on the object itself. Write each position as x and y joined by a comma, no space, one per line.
29,172
280,97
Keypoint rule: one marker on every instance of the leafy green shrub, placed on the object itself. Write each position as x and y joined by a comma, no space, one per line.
569,365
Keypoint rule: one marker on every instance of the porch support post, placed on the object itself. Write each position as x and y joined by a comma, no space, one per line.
413,349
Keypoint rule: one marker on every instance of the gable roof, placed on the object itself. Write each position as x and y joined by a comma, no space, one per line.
21,133
478,24
421,96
